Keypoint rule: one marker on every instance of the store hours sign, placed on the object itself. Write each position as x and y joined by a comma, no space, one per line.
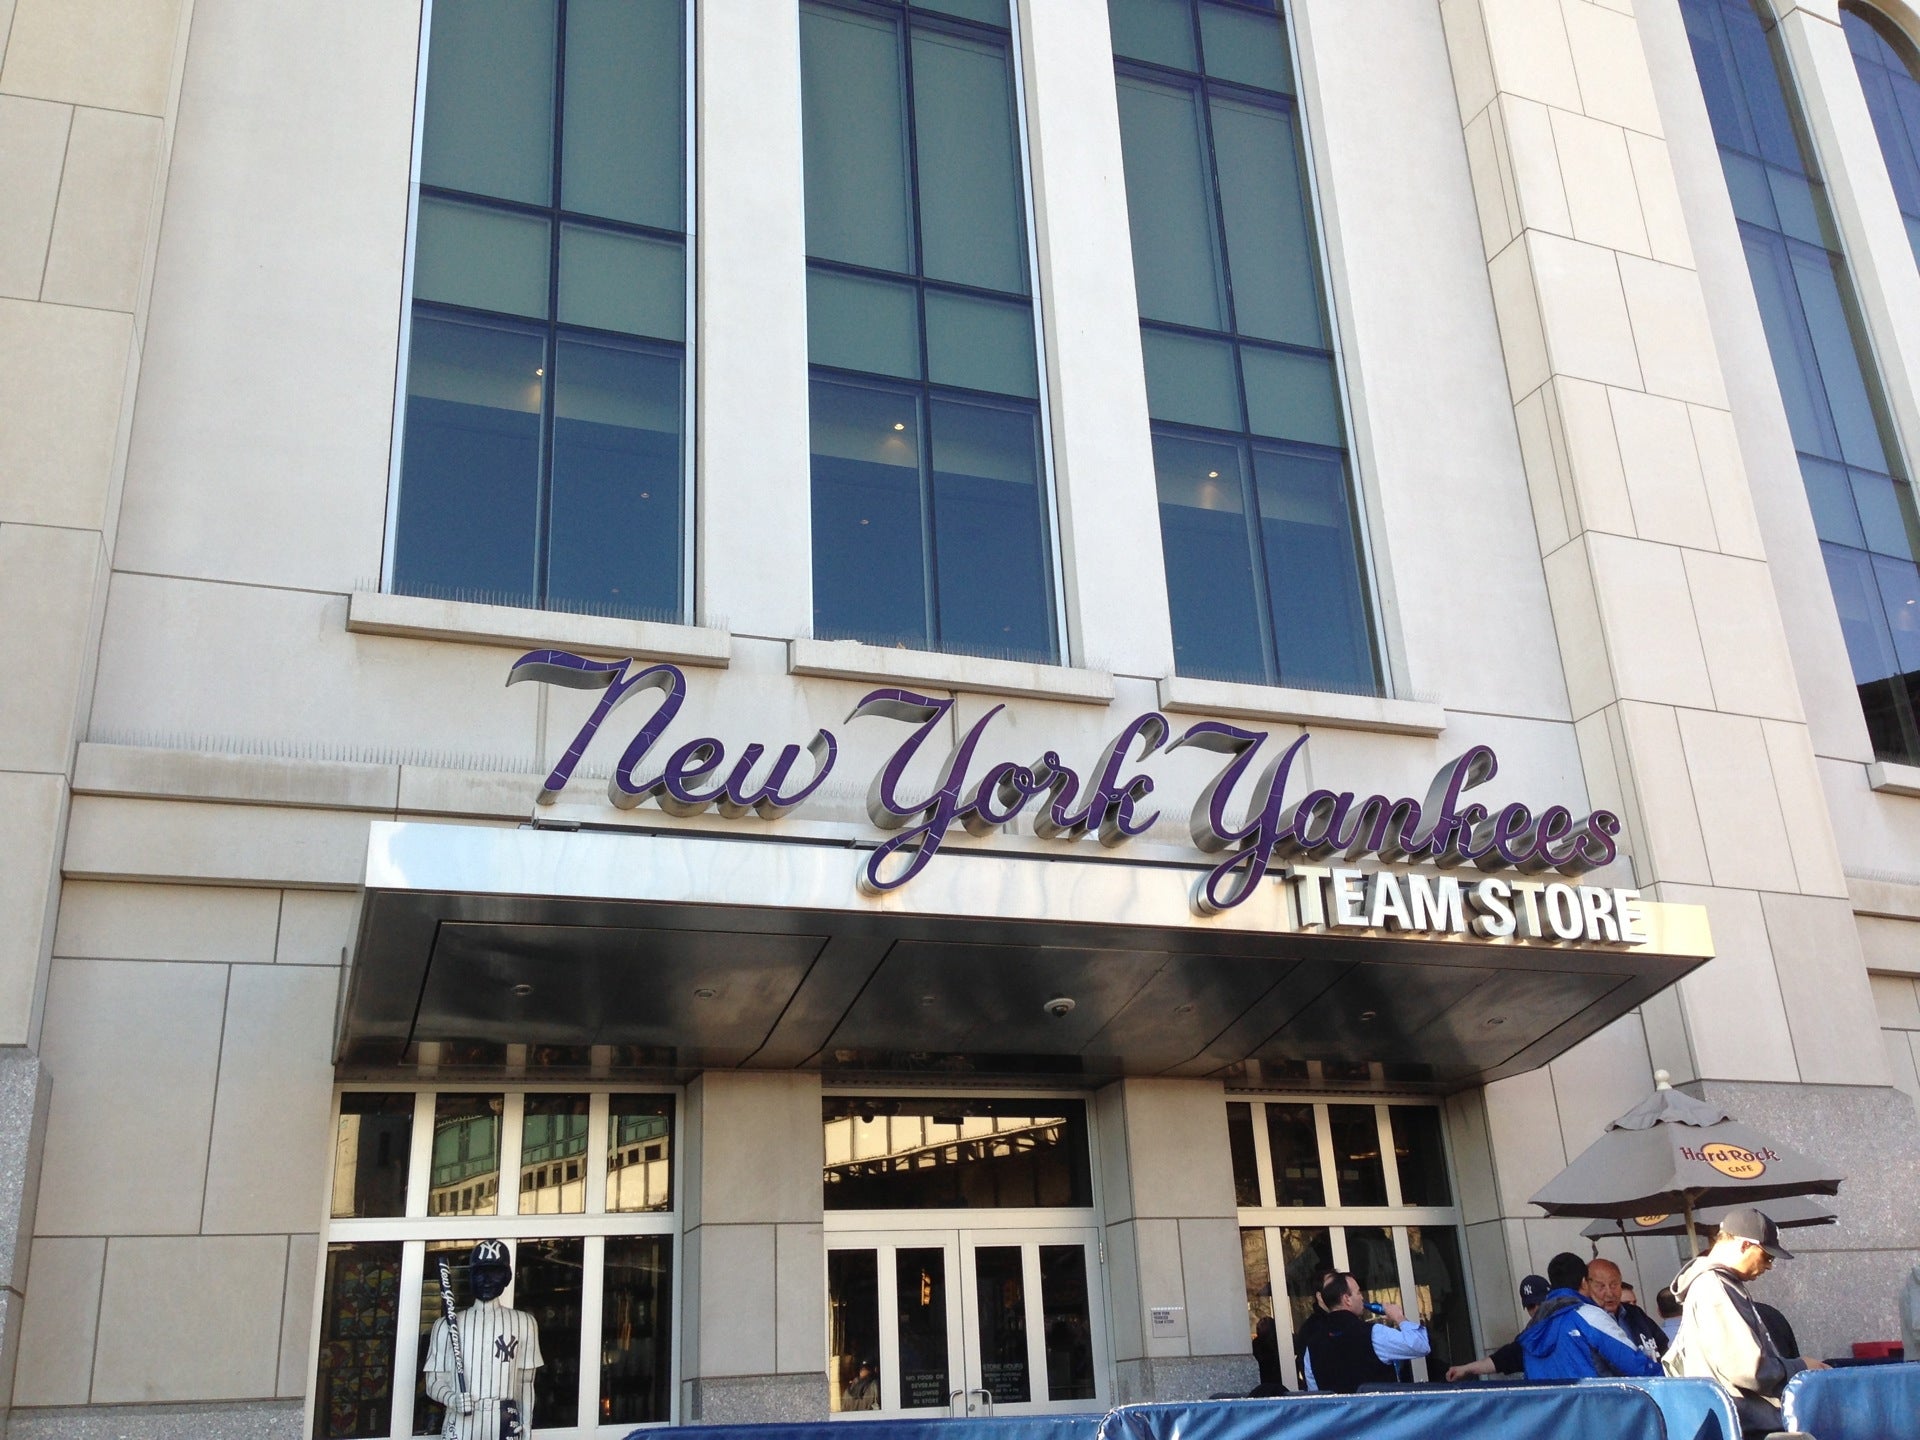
1250,817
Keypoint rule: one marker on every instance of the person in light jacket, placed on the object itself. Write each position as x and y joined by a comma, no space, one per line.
1722,1336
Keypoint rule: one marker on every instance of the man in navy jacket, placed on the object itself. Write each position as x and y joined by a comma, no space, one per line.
1571,1338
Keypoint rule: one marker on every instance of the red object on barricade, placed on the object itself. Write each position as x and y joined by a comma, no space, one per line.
1877,1349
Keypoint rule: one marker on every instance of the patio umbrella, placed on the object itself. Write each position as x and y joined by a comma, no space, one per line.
1789,1212
1671,1153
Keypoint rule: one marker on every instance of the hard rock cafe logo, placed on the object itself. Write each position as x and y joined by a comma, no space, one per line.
1736,1162
1647,1222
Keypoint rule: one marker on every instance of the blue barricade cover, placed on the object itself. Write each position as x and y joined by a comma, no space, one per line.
1693,1409
995,1427
1472,1412
1861,1402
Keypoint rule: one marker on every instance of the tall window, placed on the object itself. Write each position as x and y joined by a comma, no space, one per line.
579,1186
1257,517
543,455
930,514
1850,458
1359,1187
1885,58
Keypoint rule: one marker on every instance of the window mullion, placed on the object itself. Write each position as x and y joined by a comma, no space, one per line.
930,560
543,509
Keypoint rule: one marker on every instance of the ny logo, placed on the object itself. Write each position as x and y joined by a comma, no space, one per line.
504,1347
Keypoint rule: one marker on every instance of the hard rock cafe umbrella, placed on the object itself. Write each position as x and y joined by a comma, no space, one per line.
1672,1153
1789,1212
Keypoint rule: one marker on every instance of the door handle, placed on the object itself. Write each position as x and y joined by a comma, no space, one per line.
981,1391
957,1394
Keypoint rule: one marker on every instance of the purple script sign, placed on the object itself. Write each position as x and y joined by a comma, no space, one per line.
1442,829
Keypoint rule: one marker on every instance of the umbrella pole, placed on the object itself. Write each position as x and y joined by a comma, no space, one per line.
1693,1240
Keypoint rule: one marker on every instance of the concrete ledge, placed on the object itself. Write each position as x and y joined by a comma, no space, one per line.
242,1420
1170,1378
852,660
246,779
1324,709
1894,899
373,612
1891,779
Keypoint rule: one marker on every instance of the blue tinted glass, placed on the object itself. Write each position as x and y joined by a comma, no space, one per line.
990,531
1885,513
1788,340
1886,695
869,581
1899,584
1831,497
1760,79
614,532
1320,623
1840,359
1211,586
1719,80
470,466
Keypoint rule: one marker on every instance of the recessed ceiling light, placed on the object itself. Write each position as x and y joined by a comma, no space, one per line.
522,990
1367,1015
705,992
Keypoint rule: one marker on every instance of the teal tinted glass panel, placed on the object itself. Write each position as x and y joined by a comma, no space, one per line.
489,112
1246,45
1291,397
972,230
869,580
1160,31
855,322
1276,281
614,524
980,344
1321,629
1176,263
1800,213
1751,191
1212,590
987,12
631,283
625,94
1190,380
990,531
481,258
855,126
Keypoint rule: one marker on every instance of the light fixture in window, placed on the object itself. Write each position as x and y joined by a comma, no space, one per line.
899,424
540,370
1213,474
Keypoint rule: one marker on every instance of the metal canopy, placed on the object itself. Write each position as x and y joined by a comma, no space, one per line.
668,954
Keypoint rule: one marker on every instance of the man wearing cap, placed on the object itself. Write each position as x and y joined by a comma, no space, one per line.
1721,1334
487,1383
1508,1359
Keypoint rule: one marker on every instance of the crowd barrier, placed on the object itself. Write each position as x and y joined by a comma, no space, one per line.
1692,1409
1461,1412
1861,1402
1869,1402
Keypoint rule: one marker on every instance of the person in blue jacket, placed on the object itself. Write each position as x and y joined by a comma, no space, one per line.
1571,1338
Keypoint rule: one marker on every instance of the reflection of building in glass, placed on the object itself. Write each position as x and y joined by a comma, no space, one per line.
639,1173
883,1154
466,1156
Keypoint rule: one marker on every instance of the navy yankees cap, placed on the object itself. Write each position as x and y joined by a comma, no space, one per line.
1533,1290
490,1255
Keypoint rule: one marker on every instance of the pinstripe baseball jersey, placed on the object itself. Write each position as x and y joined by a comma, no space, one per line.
501,1348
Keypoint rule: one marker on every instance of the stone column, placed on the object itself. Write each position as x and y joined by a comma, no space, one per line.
753,1283
1172,1241
88,98
1684,696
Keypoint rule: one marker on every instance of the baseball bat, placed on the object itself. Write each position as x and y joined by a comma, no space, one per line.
449,1427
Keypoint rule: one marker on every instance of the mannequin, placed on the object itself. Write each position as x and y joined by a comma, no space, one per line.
499,1351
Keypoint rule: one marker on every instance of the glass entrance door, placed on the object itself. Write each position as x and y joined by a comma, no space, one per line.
965,1322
